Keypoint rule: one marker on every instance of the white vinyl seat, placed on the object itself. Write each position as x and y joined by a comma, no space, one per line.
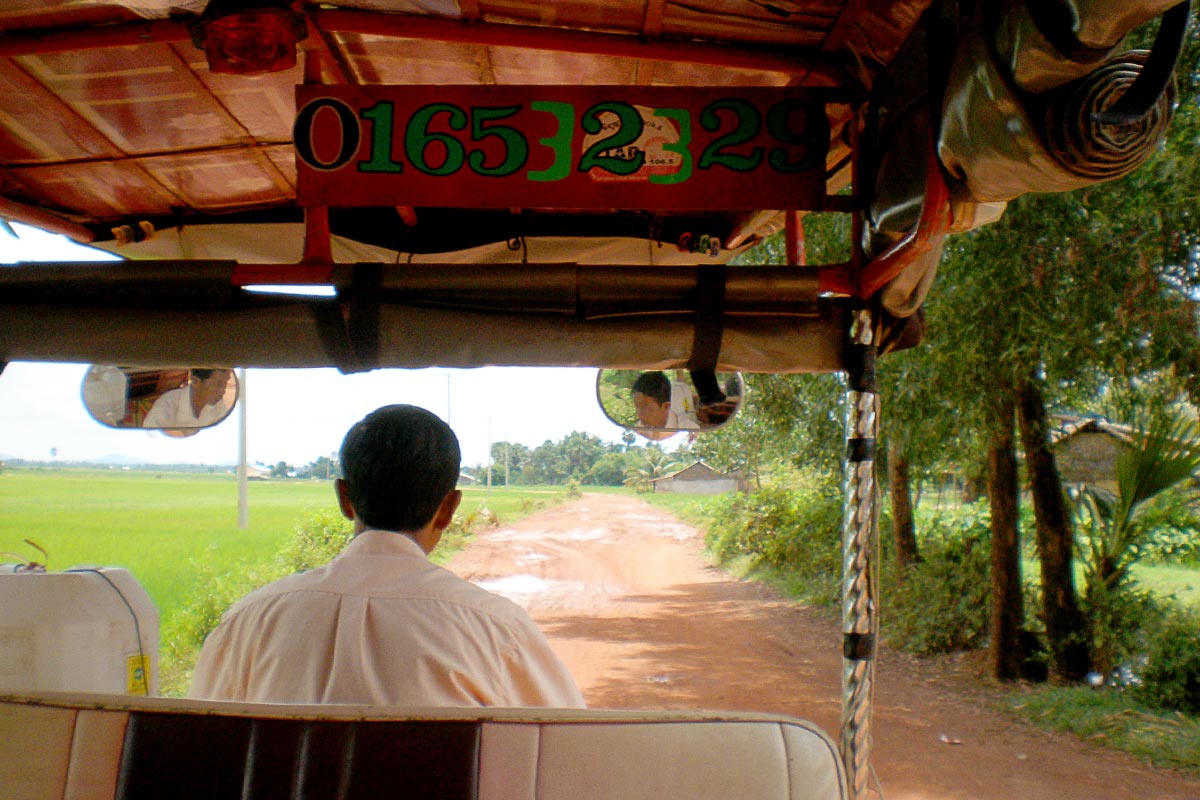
115,747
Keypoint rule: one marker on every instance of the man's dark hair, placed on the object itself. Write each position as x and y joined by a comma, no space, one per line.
654,385
202,373
399,462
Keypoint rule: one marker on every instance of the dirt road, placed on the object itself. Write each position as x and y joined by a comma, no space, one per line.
627,599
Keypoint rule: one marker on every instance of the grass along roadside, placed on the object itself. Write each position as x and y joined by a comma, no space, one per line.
1105,716
1109,717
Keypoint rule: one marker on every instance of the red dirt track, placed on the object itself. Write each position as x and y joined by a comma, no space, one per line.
629,602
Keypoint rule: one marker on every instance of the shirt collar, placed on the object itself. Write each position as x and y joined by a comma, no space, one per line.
379,542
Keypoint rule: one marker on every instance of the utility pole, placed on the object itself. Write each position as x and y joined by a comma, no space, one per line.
243,492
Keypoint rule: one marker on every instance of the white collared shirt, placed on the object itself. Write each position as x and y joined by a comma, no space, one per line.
381,625
174,410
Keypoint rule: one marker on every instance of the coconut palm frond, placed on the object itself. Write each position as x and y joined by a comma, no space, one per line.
1165,455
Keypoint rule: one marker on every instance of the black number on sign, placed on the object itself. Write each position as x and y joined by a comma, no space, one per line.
302,133
629,129
812,139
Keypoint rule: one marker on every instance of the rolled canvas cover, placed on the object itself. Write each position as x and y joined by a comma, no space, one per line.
452,315
1001,143
1042,49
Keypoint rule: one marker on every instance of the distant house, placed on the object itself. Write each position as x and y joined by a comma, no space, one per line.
257,472
700,478
464,478
1086,450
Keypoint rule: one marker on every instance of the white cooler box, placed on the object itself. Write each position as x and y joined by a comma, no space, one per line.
88,629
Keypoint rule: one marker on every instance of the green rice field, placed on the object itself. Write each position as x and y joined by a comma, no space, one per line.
170,528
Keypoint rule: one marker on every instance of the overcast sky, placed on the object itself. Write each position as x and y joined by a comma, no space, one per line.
292,415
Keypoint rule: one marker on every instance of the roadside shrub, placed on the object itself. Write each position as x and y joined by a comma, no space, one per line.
1171,677
1173,529
318,537
185,631
943,604
1122,621
795,531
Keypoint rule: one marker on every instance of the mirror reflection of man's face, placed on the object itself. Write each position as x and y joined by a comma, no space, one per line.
212,388
650,412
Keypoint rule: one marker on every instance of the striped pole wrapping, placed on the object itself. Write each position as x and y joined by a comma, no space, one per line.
860,534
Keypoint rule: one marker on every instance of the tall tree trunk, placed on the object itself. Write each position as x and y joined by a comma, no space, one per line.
900,484
1007,652
1066,629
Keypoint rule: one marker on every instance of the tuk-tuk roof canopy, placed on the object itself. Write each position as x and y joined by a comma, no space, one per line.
166,130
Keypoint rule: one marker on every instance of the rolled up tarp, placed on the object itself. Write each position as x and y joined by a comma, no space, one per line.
1095,151
1043,44
1000,142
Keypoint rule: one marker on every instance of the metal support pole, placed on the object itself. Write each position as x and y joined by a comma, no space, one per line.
243,492
860,537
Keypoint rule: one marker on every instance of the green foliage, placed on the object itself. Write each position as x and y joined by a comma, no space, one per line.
827,240
616,395
318,537
184,631
696,509
943,603
577,455
794,421
1171,678
791,529
1114,530
1122,622
158,525
1172,529
556,463
1117,720
654,463
609,469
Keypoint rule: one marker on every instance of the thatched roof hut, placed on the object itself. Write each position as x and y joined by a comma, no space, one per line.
1086,449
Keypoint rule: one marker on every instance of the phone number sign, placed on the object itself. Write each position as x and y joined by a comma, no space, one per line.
561,147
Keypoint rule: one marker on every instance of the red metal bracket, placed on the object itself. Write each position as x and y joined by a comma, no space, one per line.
928,233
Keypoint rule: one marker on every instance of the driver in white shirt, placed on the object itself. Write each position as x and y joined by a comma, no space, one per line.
381,624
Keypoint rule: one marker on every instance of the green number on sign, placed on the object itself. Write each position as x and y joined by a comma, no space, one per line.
684,119
516,147
559,143
813,139
381,115
417,139
629,128
749,123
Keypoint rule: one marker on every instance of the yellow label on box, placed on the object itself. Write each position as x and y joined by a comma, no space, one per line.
138,675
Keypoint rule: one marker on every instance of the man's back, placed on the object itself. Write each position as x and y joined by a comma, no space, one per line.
381,625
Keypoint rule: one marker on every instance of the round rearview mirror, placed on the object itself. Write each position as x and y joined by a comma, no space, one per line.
179,401
658,404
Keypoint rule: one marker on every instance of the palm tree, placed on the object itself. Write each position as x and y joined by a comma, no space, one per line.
656,465
1114,528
